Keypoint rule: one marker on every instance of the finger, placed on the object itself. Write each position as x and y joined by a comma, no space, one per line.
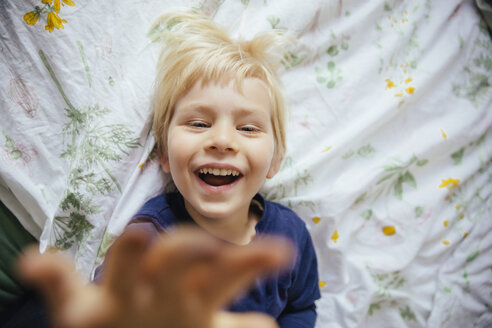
122,263
166,268
71,302
178,249
243,320
239,266
170,259
53,274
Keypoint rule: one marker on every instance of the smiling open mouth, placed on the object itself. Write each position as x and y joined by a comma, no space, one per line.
218,177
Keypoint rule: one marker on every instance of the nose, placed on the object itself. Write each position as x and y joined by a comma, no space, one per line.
222,138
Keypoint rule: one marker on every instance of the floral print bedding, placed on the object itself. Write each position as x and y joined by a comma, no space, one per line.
389,141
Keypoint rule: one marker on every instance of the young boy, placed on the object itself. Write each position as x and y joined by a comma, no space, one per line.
220,133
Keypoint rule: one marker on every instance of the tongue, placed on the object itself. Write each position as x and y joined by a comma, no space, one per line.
216,180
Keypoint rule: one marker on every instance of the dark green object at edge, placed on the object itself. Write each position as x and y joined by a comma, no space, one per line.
13,239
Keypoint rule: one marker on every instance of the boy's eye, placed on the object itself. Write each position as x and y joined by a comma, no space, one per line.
249,128
198,124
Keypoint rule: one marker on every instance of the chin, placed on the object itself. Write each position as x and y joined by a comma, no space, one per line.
216,213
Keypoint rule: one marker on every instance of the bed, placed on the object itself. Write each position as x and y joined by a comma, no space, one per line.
389,141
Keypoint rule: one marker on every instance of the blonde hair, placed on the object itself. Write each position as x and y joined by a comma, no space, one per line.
197,49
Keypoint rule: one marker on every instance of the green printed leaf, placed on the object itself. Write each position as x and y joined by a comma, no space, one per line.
392,167
458,156
367,214
321,79
407,313
274,21
413,159
409,179
106,242
399,188
422,162
360,198
348,154
332,51
373,307
291,60
15,154
9,143
366,151
418,211
472,256
384,178
330,66
84,61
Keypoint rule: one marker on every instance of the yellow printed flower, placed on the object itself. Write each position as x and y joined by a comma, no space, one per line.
56,6
449,183
57,3
446,242
327,149
389,84
444,135
408,80
322,284
446,223
316,219
54,22
389,230
334,237
410,90
31,17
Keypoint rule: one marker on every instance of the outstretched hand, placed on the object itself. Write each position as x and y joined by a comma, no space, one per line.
181,281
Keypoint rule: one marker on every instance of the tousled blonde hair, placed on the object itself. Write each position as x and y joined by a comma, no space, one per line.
197,49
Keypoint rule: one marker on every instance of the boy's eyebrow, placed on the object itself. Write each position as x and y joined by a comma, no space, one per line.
240,111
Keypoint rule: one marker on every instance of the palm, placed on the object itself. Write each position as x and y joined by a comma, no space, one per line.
180,281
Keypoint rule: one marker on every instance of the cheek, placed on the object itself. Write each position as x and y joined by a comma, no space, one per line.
180,148
262,156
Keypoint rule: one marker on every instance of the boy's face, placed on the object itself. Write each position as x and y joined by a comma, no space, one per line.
220,147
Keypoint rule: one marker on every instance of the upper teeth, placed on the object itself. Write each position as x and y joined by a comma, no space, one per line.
222,172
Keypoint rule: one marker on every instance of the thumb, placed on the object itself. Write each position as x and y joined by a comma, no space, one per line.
52,274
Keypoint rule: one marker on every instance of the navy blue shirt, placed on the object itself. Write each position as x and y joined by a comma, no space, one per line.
289,297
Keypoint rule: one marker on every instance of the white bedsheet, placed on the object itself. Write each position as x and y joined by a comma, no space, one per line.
389,142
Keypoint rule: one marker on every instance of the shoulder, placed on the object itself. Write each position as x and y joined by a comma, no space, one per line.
158,211
281,220
282,215
154,205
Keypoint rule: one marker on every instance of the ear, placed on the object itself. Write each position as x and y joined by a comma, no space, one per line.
163,158
274,166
